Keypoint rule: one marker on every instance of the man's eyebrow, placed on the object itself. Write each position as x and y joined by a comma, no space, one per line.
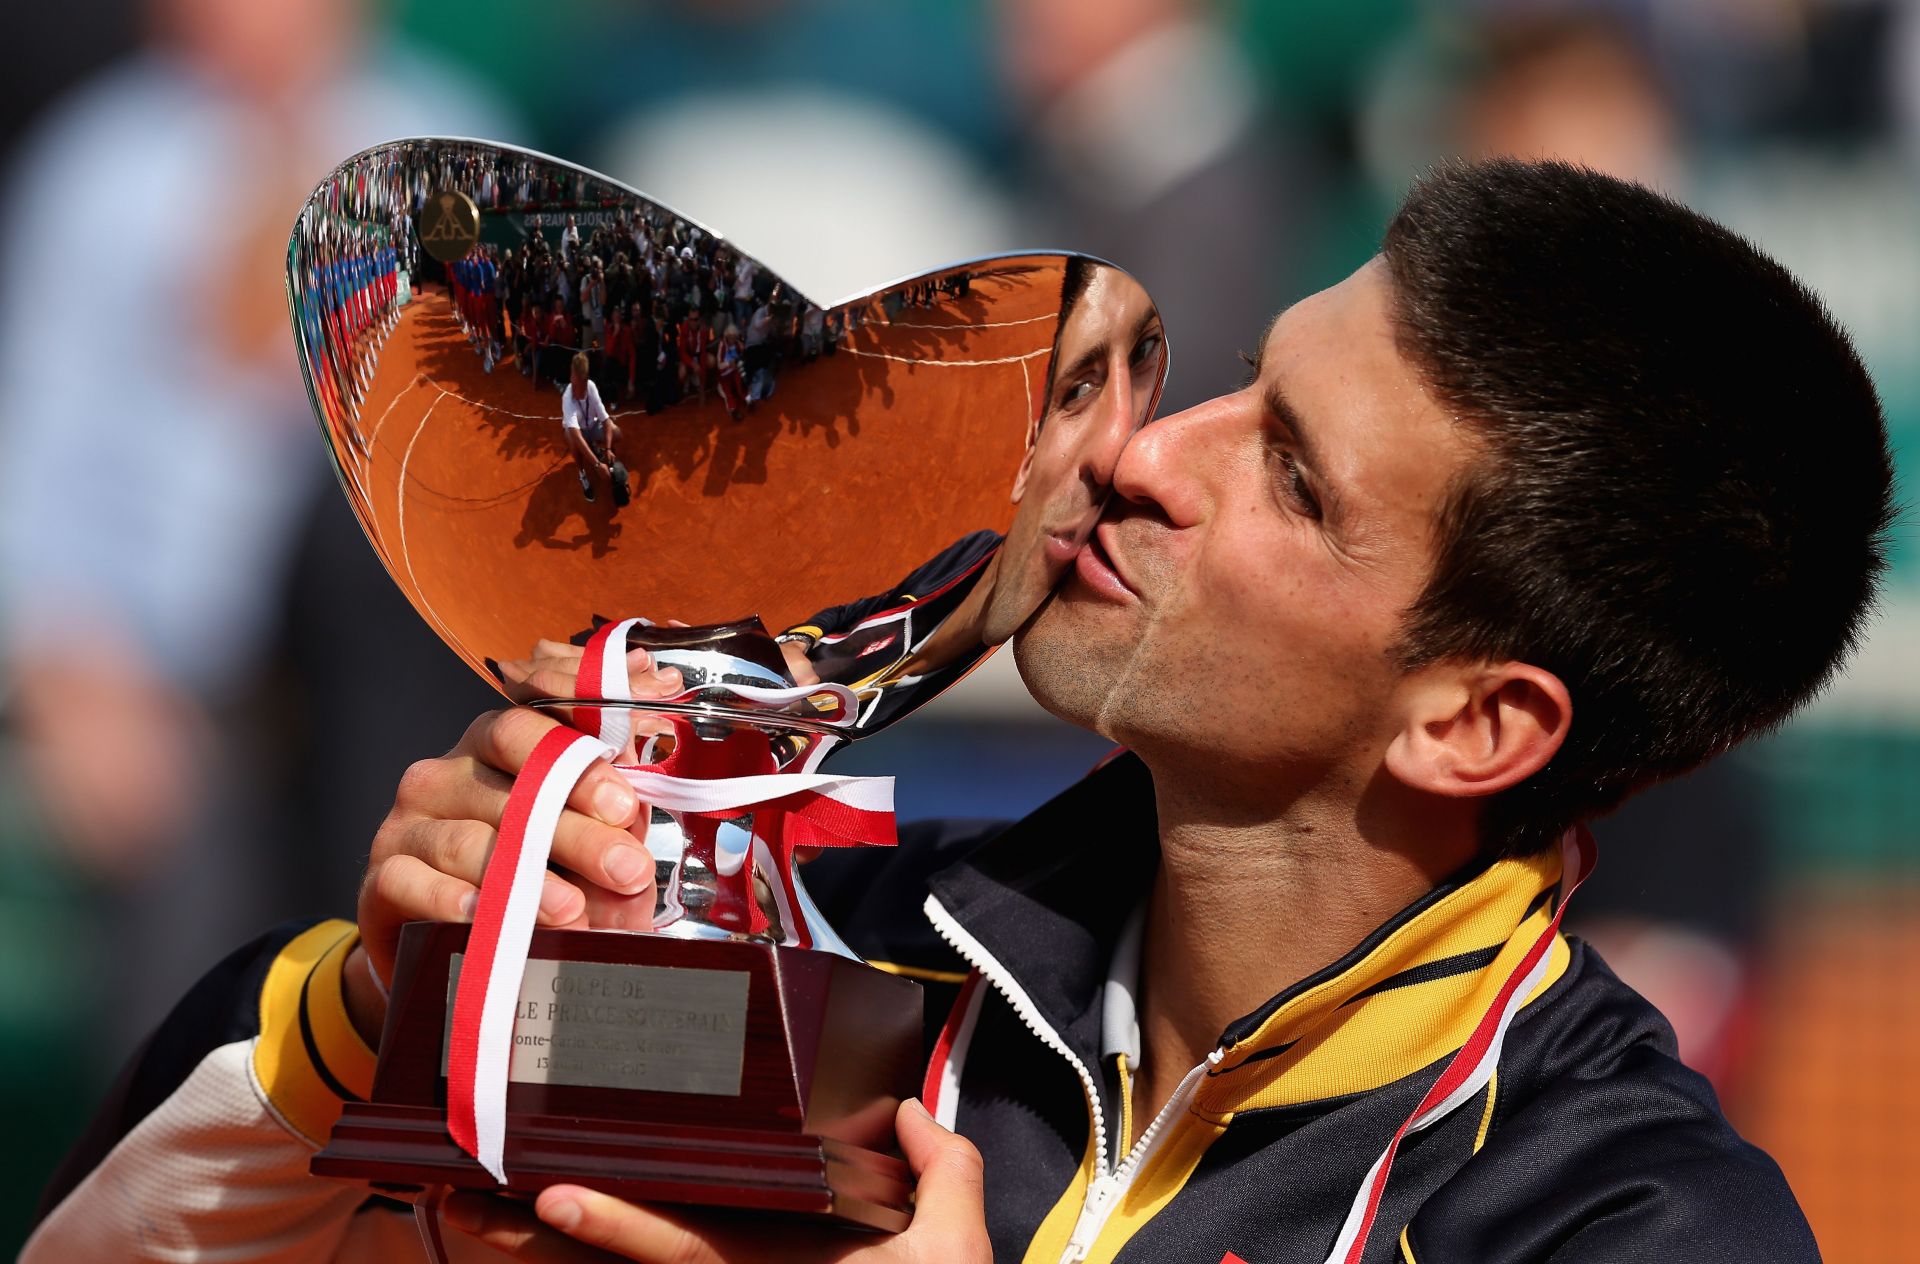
1281,409
1260,348
1102,349
1085,360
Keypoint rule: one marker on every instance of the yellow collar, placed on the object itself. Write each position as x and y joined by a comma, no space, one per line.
1405,999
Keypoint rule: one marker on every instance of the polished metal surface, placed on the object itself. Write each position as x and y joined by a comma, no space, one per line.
897,478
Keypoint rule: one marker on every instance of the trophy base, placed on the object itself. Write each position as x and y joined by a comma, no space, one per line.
742,1075
403,1149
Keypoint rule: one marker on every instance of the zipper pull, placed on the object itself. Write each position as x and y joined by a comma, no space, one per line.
1093,1218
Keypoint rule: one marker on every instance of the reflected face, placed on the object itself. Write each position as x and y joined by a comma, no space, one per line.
436,388
1241,597
1108,364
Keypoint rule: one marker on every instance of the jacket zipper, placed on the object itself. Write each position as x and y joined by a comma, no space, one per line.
1107,1188
1106,1192
977,956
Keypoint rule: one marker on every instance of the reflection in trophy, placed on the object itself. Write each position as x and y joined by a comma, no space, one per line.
898,647
828,452
490,338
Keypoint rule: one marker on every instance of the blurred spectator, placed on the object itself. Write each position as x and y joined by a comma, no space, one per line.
1572,86
867,194
1150,148
158,463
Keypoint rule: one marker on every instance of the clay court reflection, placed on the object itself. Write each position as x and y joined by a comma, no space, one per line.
566,402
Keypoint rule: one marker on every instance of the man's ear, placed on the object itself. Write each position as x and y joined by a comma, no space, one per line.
1473,730
1026,462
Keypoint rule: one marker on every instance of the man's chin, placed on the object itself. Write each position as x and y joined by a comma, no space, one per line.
1064,660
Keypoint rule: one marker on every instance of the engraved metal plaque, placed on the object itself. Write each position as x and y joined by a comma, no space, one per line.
658,1029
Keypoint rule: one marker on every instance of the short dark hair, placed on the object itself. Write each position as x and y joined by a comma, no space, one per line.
1680,490
1075,278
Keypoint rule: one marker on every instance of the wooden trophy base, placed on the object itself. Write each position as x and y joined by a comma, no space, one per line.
659,1070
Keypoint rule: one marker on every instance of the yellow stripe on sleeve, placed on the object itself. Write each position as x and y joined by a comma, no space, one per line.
307,1052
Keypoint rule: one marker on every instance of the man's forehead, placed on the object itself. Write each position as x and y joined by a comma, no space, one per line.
1378,432
1359,301
1112,303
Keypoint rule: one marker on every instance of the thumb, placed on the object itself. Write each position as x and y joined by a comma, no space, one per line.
949,1204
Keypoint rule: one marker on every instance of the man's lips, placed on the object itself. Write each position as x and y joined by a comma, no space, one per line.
1096,568
1060,546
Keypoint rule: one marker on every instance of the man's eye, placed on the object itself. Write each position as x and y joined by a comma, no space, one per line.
1076,393
1297,486
1147,349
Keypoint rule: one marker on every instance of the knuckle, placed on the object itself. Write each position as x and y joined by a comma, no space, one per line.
468,841
388,880
962,1162
553,683
418,781
517,728
475,737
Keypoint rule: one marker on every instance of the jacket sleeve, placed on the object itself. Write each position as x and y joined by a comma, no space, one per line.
1636,1165
201,1150
945,566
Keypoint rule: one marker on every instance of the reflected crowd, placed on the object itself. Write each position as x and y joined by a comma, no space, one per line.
347,271
664,310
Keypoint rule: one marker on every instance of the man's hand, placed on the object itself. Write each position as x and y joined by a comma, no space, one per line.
799,666
571,1225
431,852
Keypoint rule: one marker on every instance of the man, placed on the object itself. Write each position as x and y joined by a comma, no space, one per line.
590,432
1568,491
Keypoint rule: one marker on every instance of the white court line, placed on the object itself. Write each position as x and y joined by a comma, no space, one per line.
402,394
501,408
949,364
400,500
991,324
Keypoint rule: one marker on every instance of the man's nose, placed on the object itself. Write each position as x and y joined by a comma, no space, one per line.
1162,463
1119,418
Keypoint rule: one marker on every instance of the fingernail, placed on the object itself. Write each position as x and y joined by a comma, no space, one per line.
614,802
555,897
625,865
919,1107
468,903
638,658
670,677
562,1213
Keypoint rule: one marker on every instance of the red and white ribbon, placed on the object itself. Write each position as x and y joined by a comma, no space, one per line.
603,674
1473,1065
805,809
708,783
940,1091
481,1041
